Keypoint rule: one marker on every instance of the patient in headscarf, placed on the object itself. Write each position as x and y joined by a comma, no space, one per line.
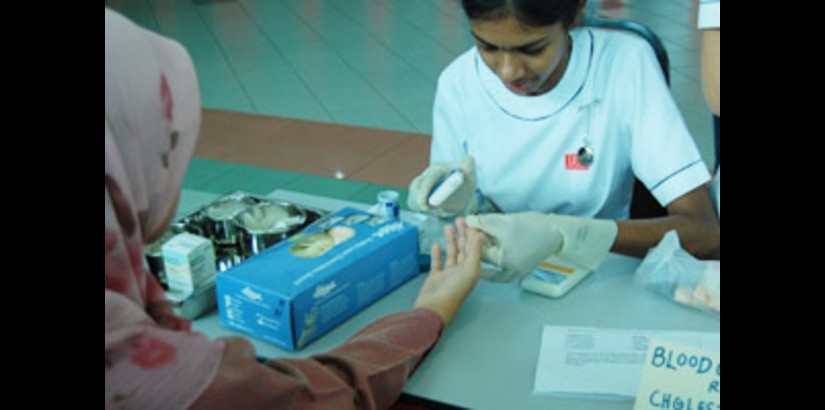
153,359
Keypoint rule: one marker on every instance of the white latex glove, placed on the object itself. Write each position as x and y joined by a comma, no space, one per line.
461,202
518,243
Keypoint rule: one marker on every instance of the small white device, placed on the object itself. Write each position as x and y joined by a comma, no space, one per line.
554,278
445,188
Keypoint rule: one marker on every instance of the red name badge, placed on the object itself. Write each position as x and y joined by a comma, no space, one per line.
571,163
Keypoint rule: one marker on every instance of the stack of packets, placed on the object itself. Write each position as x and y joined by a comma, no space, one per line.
672,272
189,261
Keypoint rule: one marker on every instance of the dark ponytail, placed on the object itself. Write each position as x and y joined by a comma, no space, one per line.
536,13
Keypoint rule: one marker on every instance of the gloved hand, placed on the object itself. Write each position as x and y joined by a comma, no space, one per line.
517,243
461,202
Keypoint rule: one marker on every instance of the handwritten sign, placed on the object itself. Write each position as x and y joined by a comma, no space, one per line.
678,377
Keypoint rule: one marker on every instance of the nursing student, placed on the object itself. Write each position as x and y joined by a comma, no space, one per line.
551,123
153,359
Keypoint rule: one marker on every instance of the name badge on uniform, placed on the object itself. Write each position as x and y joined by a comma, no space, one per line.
572,163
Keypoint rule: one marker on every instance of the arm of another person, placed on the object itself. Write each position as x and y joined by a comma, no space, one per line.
711,68
370,370
691,215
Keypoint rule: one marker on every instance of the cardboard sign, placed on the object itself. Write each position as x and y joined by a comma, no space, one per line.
679,377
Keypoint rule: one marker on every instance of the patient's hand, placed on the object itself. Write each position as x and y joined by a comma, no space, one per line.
450,282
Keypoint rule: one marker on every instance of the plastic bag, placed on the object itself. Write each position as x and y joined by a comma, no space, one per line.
672,272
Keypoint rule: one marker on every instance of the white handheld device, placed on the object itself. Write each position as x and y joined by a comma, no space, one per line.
445,188
554,278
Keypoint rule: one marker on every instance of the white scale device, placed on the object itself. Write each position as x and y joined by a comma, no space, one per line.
554,277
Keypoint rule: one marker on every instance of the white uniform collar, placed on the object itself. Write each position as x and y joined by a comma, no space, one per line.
539,107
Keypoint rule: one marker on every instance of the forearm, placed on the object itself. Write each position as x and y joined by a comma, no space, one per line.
698,235
369,371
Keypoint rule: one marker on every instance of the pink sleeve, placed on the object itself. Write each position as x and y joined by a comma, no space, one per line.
369,371
154,292
152,367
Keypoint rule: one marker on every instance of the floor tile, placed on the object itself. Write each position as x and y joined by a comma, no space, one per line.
368,63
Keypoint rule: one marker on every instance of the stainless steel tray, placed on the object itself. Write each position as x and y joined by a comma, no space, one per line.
229,242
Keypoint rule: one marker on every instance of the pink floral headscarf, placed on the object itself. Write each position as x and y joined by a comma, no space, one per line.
151,123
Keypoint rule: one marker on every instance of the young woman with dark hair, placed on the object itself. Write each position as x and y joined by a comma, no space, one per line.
553,123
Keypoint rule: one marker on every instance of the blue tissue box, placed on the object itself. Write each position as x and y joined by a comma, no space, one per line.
302,287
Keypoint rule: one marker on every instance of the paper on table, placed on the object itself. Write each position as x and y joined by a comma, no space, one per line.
602,363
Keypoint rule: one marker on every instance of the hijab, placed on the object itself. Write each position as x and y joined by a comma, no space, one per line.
152,117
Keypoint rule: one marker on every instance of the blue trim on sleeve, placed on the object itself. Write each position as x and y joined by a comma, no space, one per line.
674,173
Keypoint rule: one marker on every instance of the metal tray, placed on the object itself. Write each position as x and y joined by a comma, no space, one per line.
230,242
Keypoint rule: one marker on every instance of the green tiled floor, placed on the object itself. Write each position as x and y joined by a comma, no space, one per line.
219,178
371,63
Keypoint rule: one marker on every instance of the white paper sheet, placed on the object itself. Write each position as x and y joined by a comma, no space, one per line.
602,363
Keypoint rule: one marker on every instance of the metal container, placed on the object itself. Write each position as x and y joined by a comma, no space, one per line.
219,216
265,224
194,224
232,242
227,256
194,305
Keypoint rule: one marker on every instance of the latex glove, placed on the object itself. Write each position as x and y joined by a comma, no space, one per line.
517,243
462,202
